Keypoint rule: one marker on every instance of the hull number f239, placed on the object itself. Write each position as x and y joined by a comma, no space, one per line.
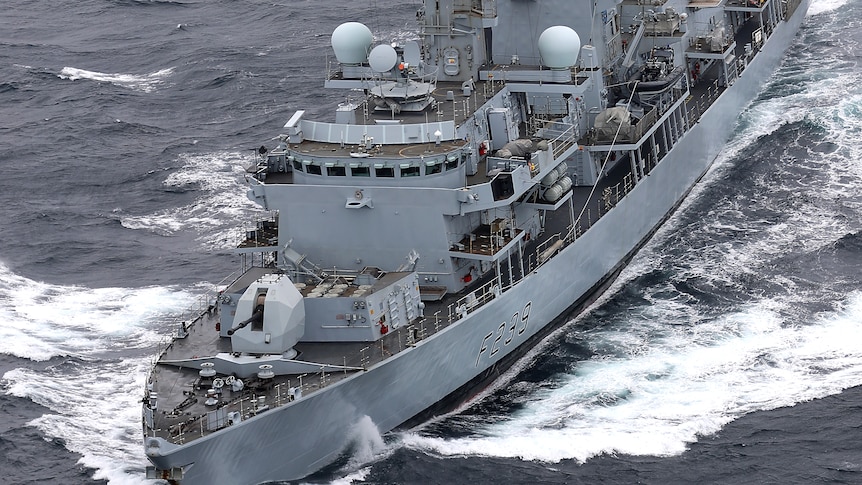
505,334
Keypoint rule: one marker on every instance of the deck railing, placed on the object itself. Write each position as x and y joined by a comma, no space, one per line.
565,140
181,323
696,106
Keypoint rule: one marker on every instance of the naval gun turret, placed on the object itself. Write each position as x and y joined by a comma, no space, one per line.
271,316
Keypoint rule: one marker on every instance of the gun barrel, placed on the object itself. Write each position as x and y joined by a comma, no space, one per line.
255,317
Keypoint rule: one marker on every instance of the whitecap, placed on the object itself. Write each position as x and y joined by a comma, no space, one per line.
42,320
109,336
221,207
822,6
145,82
110,444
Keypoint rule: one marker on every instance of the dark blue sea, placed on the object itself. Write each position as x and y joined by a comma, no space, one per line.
729,351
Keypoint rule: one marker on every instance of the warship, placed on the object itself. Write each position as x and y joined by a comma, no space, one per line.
479,185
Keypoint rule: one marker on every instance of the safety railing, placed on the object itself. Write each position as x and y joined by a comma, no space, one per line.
564,141
697,105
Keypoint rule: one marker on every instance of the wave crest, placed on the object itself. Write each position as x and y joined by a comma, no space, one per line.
146,82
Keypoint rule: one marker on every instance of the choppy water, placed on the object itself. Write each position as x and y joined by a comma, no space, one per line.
729,351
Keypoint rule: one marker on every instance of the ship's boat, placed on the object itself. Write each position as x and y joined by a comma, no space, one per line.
657,74
480,184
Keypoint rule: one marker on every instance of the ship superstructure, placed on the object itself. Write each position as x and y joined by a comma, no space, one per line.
479,181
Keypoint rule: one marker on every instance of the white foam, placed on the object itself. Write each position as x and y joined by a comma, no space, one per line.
111,335
220,208
822,6
41,320
655,399
358,476
145,82
96,410
367,442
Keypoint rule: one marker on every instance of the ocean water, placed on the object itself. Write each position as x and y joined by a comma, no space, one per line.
729,351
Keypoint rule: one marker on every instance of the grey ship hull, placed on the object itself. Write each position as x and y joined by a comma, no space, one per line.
297,439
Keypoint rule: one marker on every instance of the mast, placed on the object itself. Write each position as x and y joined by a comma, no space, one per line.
456,36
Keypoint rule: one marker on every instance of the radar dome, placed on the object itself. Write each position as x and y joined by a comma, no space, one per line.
559,46
382,58
351,41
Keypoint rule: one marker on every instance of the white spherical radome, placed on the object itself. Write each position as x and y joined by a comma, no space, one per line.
351,42
559,47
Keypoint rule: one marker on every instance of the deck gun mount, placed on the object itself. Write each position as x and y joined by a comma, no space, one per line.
273,317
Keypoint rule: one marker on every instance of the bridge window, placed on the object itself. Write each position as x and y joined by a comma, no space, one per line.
433,166
335,171
314,169
381,171
359,171
451,162
409,171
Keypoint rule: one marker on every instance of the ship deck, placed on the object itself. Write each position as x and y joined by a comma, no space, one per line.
183,415
450,103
